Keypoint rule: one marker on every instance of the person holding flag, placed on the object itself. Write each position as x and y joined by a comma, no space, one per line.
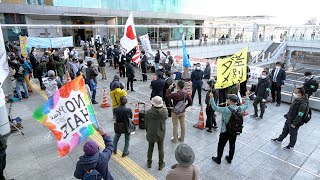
186,60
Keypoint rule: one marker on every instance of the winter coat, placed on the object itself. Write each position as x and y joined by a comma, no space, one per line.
156,124
60,67
98,161
115,96
91,74
51,66
101,60
157,88
311,85
196,78
129,70
297,110
124,115
144,62
207,72
263,88
157,58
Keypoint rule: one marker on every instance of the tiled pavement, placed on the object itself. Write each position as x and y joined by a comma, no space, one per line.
33,156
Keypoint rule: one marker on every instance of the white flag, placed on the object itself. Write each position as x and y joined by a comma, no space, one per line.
4,68
145,42
129,39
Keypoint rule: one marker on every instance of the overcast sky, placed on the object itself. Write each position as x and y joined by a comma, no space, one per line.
288,12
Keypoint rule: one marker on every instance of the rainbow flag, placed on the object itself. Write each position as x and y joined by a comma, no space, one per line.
69,115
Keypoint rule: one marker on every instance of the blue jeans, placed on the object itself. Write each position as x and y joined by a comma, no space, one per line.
156,66
23,84
126,142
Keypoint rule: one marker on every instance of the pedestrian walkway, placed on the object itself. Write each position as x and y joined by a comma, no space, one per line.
33,156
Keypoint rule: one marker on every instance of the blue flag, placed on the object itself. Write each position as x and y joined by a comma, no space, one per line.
186,61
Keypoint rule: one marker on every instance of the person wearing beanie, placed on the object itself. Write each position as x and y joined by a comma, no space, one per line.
225,136
185,156
116,78
155,120
93,159
123,116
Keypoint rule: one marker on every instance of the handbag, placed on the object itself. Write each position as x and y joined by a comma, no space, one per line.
131,127
180,106
119,128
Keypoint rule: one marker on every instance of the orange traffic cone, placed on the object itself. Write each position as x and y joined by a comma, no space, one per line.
136,115
200,124
105,103
244,113
189,88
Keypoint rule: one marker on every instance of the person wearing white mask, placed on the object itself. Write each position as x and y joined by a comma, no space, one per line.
262,92
277,76
294,118
196,79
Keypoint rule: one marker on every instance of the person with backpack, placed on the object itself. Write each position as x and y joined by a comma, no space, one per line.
123,125
185,169
310,85
3,156
20,79
295,118
93,165
178,115
52,84
231,124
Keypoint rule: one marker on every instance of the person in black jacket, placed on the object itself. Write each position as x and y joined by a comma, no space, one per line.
91,74
116,56
196,79
33,58
157,60
294,118
206,77
157,86
123,115
130,75
122,65
3,156
102,63
277,76
211,116
310,85
262,92
144,65
168,81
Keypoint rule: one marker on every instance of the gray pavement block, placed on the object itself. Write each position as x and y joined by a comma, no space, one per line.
312,165
304,175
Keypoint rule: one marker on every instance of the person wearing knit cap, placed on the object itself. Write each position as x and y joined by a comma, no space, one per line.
93,159
185,156
156,129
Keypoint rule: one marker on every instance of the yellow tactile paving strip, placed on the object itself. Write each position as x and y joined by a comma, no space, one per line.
132,167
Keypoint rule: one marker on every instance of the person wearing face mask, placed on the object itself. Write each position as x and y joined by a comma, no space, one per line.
91,74
294,118
196,79
310,85
262,92
102,63
225,136
277,76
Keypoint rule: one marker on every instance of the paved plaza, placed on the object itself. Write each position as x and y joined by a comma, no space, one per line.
34,156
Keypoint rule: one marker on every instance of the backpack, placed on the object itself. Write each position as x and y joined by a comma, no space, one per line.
235,124
51,86
20,73
92,175
314,85
306,116
79,71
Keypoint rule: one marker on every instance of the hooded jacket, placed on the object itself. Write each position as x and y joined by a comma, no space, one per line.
263,88
115,96
297,110
98,161
156,124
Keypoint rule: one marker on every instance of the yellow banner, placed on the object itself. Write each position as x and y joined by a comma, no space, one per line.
23,45
232,70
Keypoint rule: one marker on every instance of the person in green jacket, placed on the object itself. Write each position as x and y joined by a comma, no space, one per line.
60,67
155,120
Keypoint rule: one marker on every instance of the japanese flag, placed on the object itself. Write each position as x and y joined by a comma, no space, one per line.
129,39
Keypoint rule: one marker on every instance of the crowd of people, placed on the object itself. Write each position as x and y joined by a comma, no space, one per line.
57,67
